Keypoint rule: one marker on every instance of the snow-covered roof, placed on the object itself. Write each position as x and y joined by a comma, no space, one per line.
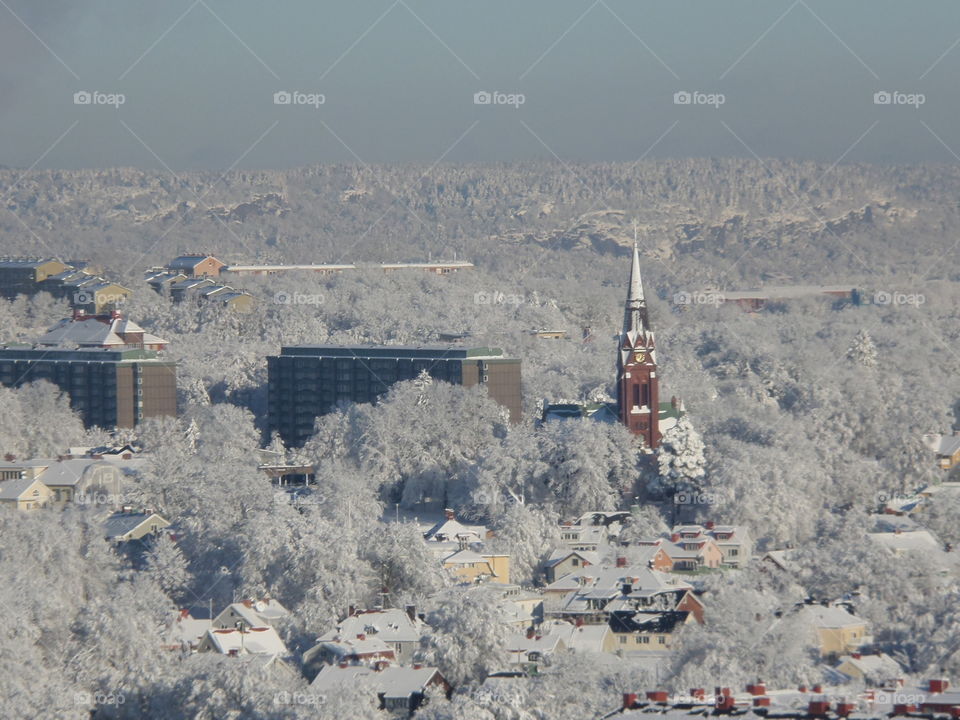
558,556
450,529
185,629
880,666
96,331
546,639
11,490
390,625
588,638
119,525
392,682
255,641
831,617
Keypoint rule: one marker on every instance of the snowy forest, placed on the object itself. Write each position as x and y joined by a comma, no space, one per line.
801,420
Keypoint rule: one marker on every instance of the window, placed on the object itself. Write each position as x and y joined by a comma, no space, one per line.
733,552
575,562
662,640
636,395
645,397
623,639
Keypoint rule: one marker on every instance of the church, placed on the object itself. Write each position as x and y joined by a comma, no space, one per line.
638,405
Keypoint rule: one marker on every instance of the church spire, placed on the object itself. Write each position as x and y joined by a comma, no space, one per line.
635,312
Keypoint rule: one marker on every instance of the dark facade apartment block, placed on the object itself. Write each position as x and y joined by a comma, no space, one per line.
109,388
306,381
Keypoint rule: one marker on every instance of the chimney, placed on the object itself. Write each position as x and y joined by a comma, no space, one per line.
939,685
856,655
675,537
184,613
698,693
9,457
709,524
621,561
248,603
351,611
343,665
233,652
448,514
673,401
418,666
657,696
361,636
629,700
530,633
818,688
411,612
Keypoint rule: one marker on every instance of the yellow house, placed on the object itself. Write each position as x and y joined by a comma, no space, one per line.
470,566
644,632
25,494
839,632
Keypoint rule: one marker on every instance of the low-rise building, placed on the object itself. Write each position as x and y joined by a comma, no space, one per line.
400,630
26,493
127,526
401,690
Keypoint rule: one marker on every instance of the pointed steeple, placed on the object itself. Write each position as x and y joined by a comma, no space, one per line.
635,312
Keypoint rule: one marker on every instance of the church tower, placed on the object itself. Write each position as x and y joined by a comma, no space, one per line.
638,401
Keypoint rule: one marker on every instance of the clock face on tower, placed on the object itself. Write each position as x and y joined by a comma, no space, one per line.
639,356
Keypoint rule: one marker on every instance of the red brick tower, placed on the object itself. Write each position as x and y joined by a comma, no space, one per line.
638,397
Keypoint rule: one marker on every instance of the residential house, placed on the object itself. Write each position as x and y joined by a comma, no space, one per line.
879,669
474,567
644,633
519,608
538,644
584,537
591,595
918,543
565,561
196,265
21,276
451,530
839,631
400,630
693,552
127,526
362,649
91,480
27,493
946,449
185,632
401,690
734,541
244,641
110,330
251,613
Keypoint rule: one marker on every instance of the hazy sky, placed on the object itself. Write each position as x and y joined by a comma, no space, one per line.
398,80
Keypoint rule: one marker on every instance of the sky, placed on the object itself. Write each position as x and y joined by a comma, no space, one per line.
204,84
